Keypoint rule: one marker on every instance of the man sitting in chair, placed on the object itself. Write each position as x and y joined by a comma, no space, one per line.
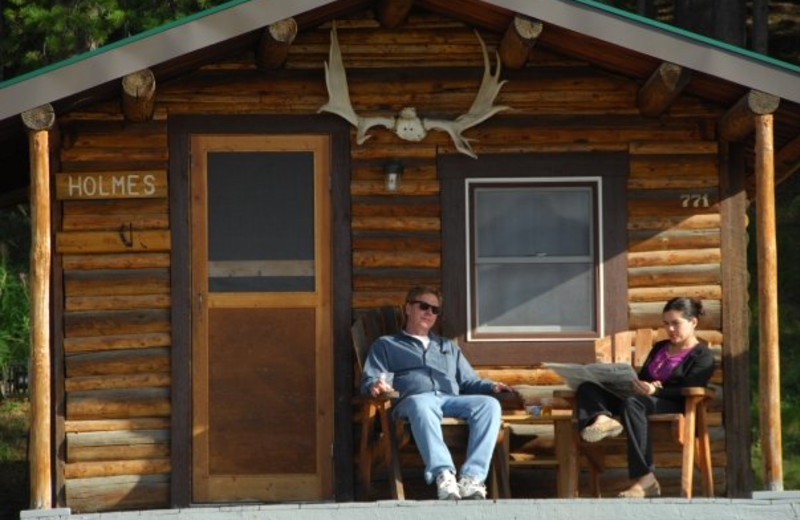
435,380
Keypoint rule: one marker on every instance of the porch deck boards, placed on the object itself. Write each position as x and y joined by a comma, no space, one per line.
776,506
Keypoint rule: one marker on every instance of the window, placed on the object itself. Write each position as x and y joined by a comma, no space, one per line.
534,261
533,269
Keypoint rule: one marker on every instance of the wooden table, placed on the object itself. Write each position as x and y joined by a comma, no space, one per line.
566,452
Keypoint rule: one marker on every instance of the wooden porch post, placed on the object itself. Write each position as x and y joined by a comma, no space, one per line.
38,122
768,357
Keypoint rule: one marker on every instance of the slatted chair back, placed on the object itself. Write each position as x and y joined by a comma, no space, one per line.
369,325
689,429
629,346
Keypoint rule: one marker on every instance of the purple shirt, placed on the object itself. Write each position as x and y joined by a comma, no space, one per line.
662,365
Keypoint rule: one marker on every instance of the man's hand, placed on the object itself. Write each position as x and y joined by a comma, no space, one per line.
501,387
380,387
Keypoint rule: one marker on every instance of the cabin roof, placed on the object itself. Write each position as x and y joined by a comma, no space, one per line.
238,17
601,35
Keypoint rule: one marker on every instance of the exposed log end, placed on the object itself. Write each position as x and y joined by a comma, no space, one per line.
761,103
39,118
275,43
519,38
139,95
738,122
392,13
662,88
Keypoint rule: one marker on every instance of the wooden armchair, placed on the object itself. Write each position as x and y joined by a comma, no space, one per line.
382,438
688,429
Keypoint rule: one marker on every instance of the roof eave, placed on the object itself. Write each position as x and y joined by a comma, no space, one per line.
139,54
666,43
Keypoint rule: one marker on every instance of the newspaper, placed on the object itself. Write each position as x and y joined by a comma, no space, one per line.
617,378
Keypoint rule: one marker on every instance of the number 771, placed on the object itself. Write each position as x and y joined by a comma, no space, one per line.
694,200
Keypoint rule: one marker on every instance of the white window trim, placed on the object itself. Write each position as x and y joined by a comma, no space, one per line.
598,181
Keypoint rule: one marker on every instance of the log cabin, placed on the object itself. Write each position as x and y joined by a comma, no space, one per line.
214,200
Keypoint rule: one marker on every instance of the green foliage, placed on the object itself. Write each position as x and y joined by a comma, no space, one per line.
787,203
790,433
14,481
14,317
36,33
14,294
15,236
13,429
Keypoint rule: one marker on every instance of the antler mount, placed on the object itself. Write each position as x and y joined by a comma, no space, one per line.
407,124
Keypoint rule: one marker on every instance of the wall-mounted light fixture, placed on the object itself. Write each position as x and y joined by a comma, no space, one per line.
392,171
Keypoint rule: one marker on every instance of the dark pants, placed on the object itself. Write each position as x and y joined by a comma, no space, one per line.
594,400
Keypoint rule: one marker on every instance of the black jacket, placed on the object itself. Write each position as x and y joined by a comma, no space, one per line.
695,369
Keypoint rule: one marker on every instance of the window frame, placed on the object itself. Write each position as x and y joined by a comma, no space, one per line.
595,185
612,168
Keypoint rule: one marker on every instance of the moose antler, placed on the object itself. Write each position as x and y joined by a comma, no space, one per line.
339,95
481,109
407,125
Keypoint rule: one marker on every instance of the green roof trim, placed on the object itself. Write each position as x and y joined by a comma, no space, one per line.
121,43
688,34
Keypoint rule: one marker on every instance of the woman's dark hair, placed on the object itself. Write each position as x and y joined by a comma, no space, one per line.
689,307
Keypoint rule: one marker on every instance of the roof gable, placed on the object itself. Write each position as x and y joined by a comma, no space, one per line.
235,18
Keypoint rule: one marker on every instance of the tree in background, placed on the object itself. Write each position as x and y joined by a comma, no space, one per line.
770,27
787,213
35,33
14,298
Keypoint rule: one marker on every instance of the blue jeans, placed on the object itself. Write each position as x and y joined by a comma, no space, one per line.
425,411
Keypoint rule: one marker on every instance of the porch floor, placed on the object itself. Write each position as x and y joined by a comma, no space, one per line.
775,506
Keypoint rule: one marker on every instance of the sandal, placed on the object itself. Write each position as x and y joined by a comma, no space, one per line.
637,491
598,431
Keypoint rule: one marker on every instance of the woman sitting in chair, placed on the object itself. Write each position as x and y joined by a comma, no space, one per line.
672,364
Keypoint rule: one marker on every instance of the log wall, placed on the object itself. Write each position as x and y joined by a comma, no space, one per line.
114,253
114,246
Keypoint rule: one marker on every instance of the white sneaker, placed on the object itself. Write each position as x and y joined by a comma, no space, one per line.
471,488
446,485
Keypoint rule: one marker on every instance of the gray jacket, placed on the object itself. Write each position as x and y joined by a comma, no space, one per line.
442,367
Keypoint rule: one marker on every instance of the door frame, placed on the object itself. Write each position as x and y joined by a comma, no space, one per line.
179,129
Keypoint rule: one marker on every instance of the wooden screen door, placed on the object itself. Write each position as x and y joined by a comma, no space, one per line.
262,382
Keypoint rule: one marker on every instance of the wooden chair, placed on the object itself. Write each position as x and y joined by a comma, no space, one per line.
688,429
382,438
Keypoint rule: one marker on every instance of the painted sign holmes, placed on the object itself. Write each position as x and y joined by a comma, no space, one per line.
111,185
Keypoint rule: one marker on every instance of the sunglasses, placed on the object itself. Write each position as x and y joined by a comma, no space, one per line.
424,306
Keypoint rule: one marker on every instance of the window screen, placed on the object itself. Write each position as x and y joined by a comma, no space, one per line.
260,221
533,258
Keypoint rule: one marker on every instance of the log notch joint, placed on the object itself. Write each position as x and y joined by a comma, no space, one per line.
518,40
273,48
662,88
393,13
738,122
139,96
